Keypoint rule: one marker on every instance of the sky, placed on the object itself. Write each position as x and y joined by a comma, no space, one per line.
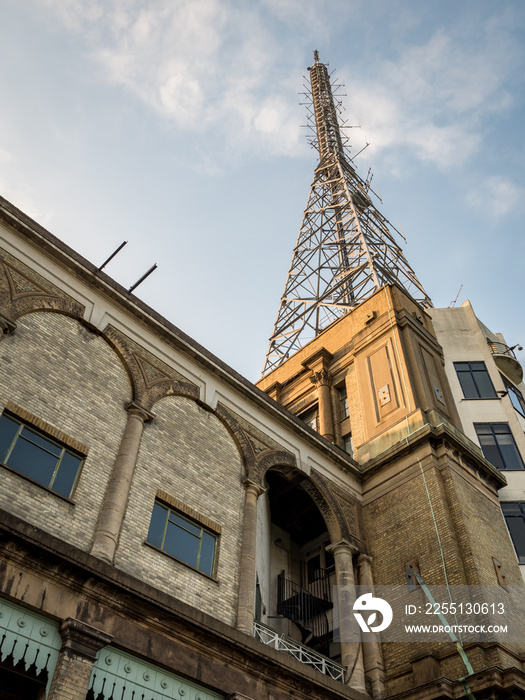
177,125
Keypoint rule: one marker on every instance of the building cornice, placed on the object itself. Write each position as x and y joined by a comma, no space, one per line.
92,277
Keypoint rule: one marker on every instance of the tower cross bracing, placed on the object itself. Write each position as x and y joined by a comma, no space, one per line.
346,249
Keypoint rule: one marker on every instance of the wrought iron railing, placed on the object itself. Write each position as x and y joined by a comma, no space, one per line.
306,608
300,652
497,348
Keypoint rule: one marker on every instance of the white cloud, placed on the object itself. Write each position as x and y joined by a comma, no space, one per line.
496,197
217,66
433,99
200,64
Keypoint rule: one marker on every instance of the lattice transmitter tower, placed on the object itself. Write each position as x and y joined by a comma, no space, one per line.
346,249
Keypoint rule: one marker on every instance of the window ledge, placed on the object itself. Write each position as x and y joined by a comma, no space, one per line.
189,566
488,398
37,483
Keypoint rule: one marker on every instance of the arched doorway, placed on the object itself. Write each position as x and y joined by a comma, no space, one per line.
295,570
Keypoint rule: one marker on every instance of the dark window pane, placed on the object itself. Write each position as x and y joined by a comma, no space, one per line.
66,474
517,400
510,508
475,380
181,544
493,456
8,430
502,428
30,460
497,443
182,522
484,384
329,559
183,539
157,525
207,553
313,567
516,527
509,452
41,442
470,390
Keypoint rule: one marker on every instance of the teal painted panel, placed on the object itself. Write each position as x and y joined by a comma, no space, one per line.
116,674
29,637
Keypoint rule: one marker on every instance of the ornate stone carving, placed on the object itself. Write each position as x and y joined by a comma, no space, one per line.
151,379
24,291
321,378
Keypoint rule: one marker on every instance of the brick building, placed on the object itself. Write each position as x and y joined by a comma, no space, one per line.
155,505
169,529
132,462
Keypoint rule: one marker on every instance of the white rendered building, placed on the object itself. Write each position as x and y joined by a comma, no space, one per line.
487,382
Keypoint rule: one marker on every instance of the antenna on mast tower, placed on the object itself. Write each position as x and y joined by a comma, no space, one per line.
346,249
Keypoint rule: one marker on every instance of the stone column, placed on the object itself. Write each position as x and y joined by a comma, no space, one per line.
351,651
116,498
80,645
373,660
246,600
323,382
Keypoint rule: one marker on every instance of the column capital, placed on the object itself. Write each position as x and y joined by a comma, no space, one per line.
7,326
364,559
321,378
135,410
342,546
252,486
82,639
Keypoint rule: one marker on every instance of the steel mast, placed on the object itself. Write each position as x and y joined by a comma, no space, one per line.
345,250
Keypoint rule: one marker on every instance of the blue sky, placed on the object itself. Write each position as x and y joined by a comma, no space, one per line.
176,125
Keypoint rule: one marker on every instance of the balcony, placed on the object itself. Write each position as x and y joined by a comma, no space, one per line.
300,652
506,361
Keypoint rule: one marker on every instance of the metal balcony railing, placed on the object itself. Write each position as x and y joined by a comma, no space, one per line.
506,360
303,654
497,348
306,608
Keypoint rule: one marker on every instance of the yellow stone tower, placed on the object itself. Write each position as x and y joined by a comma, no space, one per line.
354,354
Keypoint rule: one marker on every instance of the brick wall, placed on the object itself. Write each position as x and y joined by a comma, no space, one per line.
65,375
400,528
71,678
187,453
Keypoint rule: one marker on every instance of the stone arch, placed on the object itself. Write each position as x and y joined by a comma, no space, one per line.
151,379
23,291
240,438
314,485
